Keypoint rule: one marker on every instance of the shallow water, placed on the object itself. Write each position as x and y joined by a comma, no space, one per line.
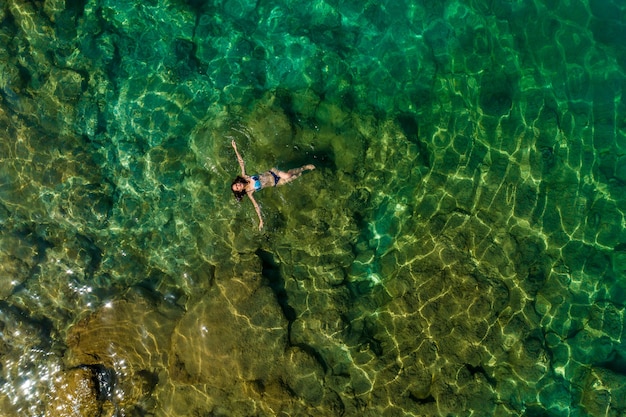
459,250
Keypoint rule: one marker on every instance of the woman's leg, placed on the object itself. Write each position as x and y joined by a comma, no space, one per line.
292,174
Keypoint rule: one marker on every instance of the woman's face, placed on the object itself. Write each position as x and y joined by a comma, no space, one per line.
238,187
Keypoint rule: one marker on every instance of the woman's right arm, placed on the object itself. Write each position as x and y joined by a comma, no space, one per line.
239,159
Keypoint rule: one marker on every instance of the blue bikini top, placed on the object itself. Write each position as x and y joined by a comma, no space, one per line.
257,182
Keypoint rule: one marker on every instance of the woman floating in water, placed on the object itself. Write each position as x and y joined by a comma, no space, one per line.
246,185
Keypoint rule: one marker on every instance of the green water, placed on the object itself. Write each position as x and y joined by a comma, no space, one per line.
460,249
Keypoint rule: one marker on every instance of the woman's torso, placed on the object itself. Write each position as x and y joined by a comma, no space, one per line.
264,180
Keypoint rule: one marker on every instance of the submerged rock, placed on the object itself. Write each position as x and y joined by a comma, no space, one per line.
75,393
233,339
603,392
124,344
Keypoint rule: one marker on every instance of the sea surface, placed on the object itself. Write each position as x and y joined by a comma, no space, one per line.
459,250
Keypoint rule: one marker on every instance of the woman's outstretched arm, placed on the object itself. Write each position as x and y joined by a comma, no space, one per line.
239,159
258,210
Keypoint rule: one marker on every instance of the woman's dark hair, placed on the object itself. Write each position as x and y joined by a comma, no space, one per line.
239,194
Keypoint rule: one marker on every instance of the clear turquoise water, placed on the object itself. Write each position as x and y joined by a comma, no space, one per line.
460,250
